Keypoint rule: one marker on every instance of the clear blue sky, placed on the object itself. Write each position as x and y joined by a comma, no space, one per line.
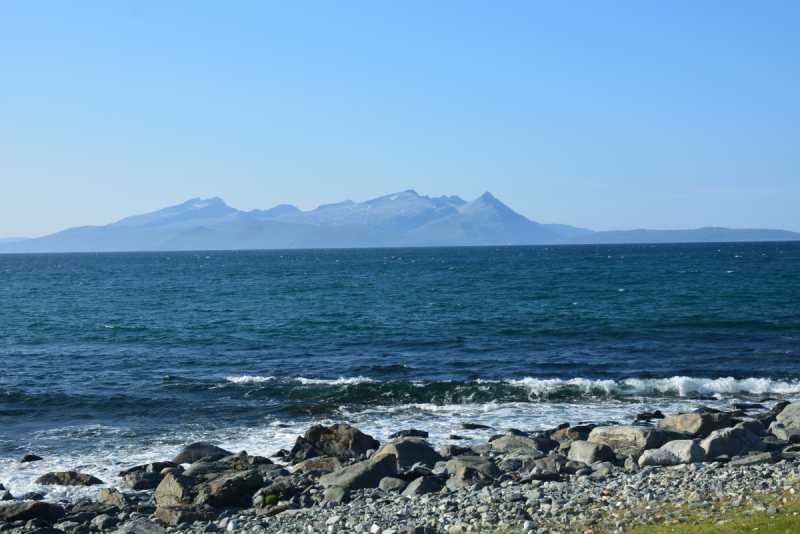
608,115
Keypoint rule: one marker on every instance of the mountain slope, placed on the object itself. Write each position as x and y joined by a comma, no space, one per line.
484,221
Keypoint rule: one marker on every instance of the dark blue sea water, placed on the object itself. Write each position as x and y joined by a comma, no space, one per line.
112,358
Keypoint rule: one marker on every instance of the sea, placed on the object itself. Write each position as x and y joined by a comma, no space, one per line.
111,360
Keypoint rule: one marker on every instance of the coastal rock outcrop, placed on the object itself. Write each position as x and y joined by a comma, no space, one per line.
141,481
590,452
790,416
411,451
687,451
478,463
341,441
25,511
175,515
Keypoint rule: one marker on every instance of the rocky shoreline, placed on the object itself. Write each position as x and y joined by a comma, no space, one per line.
602,477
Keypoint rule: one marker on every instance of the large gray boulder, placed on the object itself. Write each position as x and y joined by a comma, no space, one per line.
410,451
790,416
590,452
696,425
341,441
629,440
466,477
521,444
479,463
731,442
314,464
363,475
422,485
195,451
792,435
658,457
392,484
25,511
686,450
112,496
140,525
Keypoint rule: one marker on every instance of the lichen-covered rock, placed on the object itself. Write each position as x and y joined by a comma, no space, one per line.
410,451
282,488
696,424
341,441
195,451
362,475
630,440
731,442
68,478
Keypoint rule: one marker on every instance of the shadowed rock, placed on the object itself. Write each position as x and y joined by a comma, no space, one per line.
195,451
140,525
731,442
26,511
479,463
366,474
175,515
341,441
589,452
411,451
68,478
141,481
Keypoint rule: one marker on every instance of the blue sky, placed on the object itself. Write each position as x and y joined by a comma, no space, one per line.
607,115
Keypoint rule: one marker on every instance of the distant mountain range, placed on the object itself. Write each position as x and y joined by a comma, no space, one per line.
403,219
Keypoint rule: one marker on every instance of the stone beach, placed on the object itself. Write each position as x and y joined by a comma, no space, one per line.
602,477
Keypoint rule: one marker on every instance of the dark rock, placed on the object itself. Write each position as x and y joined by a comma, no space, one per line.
32,496
746,407
411,451
648,416
26,511
226,488
30,458
337,494
68,478
95,508
341,441
362,475
134,469
195,451
570,434
392,484
141,481
206,466
282,453
456,437
755,459
411,433
422,485
175,515
483,448
471,426
696,425
517,432
105,522
454,450
6,496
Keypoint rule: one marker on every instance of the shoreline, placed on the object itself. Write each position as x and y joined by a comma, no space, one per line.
337,478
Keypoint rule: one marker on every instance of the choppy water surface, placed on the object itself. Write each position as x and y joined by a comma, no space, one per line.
112,359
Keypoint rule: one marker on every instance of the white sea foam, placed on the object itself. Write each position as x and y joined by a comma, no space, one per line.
336,382
248,379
